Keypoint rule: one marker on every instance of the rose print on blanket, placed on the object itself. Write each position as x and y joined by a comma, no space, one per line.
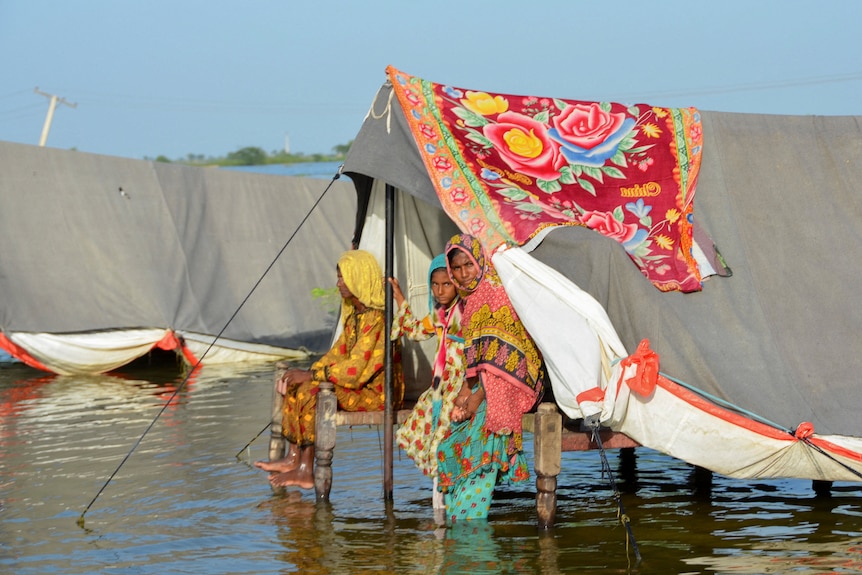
583,139
525,145
589,134
506,167
563,144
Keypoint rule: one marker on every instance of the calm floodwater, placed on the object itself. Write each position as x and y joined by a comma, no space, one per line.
317,170
183,502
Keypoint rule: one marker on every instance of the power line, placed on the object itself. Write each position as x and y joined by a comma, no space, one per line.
173,103
13,94
26,108
749,87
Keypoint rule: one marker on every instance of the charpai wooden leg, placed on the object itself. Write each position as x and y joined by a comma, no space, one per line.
547,438
324,440
822,488
276,437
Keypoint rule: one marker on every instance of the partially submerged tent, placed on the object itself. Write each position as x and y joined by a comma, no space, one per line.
103,259
689,276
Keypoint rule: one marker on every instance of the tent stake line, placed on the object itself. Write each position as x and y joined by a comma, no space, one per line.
185,380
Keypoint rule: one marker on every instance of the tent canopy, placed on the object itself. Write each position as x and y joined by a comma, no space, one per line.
779,196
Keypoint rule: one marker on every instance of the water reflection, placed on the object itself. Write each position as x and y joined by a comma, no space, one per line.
304,530
183,503
786,557
469,547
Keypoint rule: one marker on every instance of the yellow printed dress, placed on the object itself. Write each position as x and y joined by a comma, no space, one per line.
355,366
429,421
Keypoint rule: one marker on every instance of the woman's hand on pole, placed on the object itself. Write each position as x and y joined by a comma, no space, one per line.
396,291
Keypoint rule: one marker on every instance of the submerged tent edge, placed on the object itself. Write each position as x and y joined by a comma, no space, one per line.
104,351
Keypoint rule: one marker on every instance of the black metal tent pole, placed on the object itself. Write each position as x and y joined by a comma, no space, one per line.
388,423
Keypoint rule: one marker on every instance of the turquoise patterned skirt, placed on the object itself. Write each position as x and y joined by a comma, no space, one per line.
471,462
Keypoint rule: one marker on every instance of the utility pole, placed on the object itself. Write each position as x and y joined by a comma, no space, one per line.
49,118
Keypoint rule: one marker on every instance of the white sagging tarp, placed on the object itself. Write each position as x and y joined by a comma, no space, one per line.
581,356
674,420
95,352
104,351
671,418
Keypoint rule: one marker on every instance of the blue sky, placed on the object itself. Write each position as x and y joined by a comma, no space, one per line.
178,77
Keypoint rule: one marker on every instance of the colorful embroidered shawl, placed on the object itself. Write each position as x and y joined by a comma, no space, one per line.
507,167
496,341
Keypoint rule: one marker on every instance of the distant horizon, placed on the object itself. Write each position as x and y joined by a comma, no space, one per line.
307,74
215,156
302,157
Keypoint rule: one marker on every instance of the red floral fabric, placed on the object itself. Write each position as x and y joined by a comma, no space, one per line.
507,167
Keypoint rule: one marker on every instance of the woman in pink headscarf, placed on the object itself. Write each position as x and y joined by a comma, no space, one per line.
505,378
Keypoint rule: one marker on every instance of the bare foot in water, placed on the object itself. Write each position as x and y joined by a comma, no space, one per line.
295,478
287,463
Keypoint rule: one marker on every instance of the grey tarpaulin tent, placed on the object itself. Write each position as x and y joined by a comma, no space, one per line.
102,258
778,340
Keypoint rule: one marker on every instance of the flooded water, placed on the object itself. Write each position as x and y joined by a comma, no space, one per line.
186,499
318,170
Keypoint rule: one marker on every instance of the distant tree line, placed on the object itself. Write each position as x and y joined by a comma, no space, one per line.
254,156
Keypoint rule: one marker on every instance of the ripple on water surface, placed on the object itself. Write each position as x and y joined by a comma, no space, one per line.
183,502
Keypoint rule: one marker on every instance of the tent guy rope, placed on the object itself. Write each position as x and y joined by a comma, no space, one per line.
182,384
252,440
593,424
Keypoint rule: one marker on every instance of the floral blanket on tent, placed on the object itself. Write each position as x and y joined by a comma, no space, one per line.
507,167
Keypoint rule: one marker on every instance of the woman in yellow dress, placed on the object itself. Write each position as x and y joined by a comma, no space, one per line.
354,365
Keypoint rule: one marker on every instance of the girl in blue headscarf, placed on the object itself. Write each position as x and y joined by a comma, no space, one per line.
429,421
